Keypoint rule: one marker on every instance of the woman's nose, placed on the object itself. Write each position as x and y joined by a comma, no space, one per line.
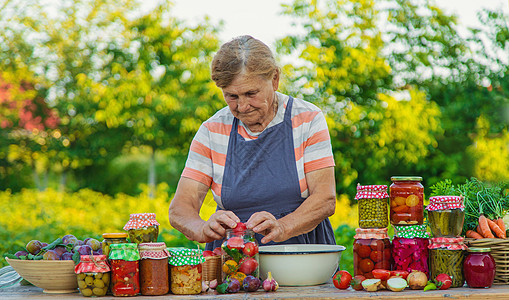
243,104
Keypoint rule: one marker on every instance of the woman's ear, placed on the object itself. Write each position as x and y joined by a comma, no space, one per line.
275,80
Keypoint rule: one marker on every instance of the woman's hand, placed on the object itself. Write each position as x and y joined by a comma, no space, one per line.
266,224
215,227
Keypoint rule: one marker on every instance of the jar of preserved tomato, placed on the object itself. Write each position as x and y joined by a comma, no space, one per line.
112,238
142,228
371,250
241,256
93,273
406,200
125,277
372,203
154,269
186,270
410,248
446,255
479,268
446,215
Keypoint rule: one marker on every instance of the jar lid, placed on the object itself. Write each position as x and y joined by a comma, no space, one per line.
479,249
455,243
141,220
92,264
371,233
126,251
115,235
445,202
411,231
184,256
371,192
406,178
153,250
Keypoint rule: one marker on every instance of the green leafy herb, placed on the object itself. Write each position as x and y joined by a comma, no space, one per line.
10,256
53,245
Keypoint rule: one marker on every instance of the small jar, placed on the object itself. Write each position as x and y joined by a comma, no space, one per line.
112,238
186,270
154,269
446,215
447,256
125,277
241,256
410,248
479,268
371,250
93,273
142,228
372,203
406,200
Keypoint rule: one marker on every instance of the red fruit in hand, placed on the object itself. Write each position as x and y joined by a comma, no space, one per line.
342,279
248,265
443,281
356,282
208,253
241,227
219,251
235,242
250,249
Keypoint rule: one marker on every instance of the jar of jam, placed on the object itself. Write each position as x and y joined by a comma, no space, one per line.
241,256
446,215
125,272
154,269
371,250
93,273
406,200
479,268
112,238
410,248
447,256
142,228
372,203
186,270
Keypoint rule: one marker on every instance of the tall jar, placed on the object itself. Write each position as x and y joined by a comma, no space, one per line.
446,215
112,238
479,268
447,256
410,248
371,250
186,270
372,203
125,271
406,200
142,228
241,257
93,273
154,269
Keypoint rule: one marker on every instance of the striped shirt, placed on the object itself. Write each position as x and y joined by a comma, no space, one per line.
313,150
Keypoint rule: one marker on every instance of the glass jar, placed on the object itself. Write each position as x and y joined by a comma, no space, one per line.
406,200
112,238
186,270
142,228
241,257
446,215
447,256
93,273
154,269
372,203
125,277
479,268
410,248
371,250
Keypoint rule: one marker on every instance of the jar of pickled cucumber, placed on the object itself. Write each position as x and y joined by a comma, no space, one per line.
125,271
446,215
93,273
371,250
154,269
142,228
410,248
186,270
112,238
372,203
446,255
406,195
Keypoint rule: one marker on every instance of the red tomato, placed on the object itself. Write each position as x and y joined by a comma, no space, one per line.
381,274
364,251
235,242
241,227
219,251
250,249
342,279
377,245
376,255
356,282
248,265
366,265
208,253
399,273
383,264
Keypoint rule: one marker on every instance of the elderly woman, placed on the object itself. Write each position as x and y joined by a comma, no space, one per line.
267,158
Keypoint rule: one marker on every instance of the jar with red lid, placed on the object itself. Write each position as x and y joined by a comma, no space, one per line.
93,273
142,228
154,269
479,268
125,277
371,250
446,215
372,206
446,255
406,200
410,248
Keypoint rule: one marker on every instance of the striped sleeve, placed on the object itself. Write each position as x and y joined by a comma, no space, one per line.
199,161
317,145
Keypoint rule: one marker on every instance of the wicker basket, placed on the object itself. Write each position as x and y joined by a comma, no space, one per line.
212,268
500,252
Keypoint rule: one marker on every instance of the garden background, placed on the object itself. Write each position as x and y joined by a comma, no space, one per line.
100,99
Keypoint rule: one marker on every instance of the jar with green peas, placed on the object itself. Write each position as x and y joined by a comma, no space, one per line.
93,273
373,209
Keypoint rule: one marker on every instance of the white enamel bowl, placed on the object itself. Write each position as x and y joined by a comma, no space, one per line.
300,264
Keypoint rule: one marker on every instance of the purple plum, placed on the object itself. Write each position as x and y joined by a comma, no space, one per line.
66,256
51,255
34,246
84,250
21,253
60,250
233,286
94,244
69,239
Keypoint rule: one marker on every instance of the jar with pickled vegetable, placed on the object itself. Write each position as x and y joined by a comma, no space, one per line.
125,271
479,268
186,270
406,200
112,238
93,273
446,255
372,203
154,269
241,257
142,228
446,215
410,248
371,250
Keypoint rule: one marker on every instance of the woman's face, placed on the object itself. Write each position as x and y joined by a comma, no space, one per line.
251,100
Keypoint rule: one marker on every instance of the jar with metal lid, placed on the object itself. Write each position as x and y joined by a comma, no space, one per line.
154,269
241,257
112,238
125,271
93,273
371,250
446,215
410,248
372,206
479,268
186,270
447,256
406,200
142,228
